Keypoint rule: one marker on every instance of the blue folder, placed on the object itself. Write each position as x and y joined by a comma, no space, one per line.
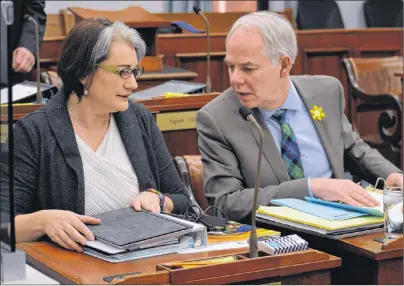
365,210
319,210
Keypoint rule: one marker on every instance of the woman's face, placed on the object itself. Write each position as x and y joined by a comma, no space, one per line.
108,92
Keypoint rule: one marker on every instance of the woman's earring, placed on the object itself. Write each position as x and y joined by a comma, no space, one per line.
85,91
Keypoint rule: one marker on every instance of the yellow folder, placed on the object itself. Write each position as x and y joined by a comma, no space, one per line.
241,236
290,214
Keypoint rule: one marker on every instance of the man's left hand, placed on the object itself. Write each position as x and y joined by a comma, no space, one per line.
395,180
23,60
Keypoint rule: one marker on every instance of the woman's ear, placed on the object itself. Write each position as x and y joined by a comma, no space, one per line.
84,81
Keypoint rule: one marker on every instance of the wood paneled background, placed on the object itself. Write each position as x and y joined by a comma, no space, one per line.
320,53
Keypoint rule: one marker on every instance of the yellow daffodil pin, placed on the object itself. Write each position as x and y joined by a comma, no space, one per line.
317,113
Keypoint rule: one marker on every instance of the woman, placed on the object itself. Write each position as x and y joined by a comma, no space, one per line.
89,150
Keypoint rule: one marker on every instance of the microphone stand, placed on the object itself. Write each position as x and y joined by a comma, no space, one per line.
253,241
12,260
208,83
38,71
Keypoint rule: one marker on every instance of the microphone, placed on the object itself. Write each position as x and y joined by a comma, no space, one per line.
198,11
247,115
38,71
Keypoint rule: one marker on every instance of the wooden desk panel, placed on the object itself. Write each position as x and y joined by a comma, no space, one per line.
363,260
76,268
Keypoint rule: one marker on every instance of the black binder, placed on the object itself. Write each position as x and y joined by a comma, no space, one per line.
130,230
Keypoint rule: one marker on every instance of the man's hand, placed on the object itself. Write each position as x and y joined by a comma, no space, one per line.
394,180
148,201
68,229
342,190
23,60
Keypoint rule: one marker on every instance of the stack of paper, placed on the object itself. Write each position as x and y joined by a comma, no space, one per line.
241,236
302,220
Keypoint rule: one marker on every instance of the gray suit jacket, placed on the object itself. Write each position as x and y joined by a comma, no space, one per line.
229,148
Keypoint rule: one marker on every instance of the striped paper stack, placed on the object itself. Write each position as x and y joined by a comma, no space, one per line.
283,244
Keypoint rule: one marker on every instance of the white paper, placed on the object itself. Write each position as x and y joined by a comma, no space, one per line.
20,91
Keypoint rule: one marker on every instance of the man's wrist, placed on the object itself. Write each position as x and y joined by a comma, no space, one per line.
309,187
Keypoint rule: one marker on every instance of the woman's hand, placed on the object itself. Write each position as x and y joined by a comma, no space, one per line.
148,201
68,229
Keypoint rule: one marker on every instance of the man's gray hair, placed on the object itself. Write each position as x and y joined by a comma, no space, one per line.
118,31
277,32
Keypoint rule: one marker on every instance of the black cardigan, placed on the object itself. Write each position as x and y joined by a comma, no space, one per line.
49,169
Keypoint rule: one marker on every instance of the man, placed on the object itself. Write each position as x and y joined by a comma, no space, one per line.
306,133
23,40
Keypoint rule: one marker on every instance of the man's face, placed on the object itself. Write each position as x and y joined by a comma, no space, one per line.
255,80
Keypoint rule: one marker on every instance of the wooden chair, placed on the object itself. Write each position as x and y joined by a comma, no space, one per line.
190,169
374,87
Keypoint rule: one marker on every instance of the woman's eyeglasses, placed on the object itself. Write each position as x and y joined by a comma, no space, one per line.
124,73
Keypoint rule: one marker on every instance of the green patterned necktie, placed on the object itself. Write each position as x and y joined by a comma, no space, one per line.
289,148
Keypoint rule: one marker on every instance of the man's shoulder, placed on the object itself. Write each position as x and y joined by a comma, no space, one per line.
323,80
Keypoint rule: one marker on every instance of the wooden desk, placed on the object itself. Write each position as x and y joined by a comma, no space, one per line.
363,260
367,263
76,268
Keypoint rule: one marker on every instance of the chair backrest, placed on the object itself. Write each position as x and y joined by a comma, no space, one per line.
319,14
381,13
399,19
190,169
375,76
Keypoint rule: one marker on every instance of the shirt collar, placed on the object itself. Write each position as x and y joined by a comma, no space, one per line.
292,102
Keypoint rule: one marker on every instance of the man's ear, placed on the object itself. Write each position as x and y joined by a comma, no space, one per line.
286,65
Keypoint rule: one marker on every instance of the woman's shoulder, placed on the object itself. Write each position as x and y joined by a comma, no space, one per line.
140,110
138,107
35,118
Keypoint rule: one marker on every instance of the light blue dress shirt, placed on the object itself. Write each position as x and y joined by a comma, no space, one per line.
314,159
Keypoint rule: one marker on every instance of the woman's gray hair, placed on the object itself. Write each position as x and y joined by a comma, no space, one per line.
118,31
277,32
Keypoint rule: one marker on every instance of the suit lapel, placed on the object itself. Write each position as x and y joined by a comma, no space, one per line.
131,134
310,100
270,151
